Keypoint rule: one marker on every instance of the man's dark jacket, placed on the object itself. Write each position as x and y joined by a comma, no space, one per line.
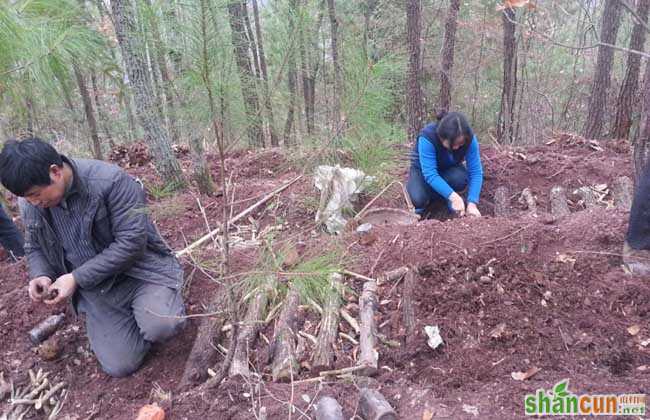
116,226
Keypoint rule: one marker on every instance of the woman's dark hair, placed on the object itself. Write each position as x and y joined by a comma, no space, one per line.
452,125
26,164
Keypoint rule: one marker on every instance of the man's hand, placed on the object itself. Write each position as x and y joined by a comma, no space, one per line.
38,288
472,210
62,289
457,203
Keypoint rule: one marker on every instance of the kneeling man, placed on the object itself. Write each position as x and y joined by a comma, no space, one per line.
88,237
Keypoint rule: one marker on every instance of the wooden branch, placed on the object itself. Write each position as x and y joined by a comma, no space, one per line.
559,206
373,406
502,202
622,191
368,303
328,408
324,352
249,330
203,354
240,216
284,365
408,308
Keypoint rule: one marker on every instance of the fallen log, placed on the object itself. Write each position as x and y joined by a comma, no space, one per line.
324,353
502,202
284,366
559,206
408,308
250,328
373,406
204,353
368,303
622,191
328,408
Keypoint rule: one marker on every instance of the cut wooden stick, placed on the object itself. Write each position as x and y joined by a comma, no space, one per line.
250,328
392,275
373,406
240,216
502,202
408,308
559,206
284,365
324,352
350,320
528,199
328,408
368,303
622,190
203,354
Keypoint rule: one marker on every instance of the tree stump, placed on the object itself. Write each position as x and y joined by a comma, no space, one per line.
559,206
324,352
502,202
284,365
373,406
368,303
622,191
250,328
328,408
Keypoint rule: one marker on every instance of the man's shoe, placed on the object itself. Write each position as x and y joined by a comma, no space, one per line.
636,260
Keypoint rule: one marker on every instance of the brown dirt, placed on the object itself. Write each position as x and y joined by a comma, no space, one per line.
557,286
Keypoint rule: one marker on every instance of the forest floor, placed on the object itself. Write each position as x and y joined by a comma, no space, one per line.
509,294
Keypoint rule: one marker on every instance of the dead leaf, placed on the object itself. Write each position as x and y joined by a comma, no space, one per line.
427,415
633,329
522,376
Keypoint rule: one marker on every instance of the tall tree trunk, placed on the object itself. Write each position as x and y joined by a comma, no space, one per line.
201,170
449,40
291,75
309,68
90,113
641,149
168,89
414,103
506,124
368,13
629,89
252,44
246,77
338,85
610,23
136,66
265,76
102,114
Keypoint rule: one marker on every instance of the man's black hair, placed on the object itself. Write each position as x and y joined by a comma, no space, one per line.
452,125
26,164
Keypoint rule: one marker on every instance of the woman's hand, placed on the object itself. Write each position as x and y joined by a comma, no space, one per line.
457,203
472,210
